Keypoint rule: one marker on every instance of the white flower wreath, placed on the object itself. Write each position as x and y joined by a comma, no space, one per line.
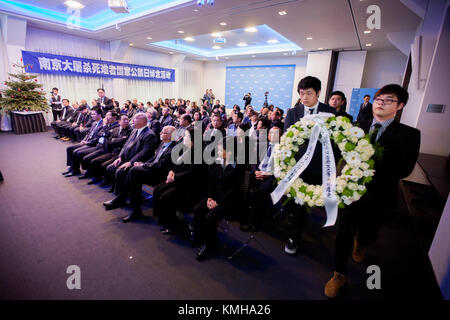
356,150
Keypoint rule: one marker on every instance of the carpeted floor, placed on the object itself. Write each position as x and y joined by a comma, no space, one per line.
49,222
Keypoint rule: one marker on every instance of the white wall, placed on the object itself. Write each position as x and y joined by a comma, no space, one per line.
215,73
318,65
349,72
383,67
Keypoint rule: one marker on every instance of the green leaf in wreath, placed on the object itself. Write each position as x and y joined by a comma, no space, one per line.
349,146
341,205
290,134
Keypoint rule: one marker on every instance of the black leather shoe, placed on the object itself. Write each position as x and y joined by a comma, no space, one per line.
111,190
105,183
167,231
84,176
202,252
67,171
113,204
72,173
93,180
132,216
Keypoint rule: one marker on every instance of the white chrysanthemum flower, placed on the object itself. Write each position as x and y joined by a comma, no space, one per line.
356,132
285,153
352,186
353,158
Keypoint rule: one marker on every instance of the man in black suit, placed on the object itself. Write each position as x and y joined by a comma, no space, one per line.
119,135
139,147
166,118
84,156
365,110
55,103
88,141
223,198
248,99
66,113
86,124
82,114
104,102
152,172
363,218
309,91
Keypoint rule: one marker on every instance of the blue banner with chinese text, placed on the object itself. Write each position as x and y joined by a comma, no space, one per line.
74,66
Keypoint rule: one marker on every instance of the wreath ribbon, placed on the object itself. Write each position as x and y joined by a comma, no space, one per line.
328,168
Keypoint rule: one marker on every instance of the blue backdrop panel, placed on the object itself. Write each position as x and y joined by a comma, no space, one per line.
358,98
277,79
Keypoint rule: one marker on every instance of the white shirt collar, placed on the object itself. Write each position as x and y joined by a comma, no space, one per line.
139,131
313,108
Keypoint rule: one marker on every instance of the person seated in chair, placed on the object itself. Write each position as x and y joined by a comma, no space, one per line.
183,188
89,140
68,130
66,113
225,179
152,173
140,146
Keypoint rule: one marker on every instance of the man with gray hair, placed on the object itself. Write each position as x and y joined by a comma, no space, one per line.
152,172
140,146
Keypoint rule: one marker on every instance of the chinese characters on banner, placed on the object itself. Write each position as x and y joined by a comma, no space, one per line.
73,66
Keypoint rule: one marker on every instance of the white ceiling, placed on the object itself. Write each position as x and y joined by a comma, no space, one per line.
332,24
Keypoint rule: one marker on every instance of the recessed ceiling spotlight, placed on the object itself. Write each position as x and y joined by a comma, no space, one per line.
216,34
251,29
242,44
285,53
131,44
367,31
282,13
272,41
149,38
196,10
368,44
253,56
74,4
170,52
223,23
226,58
180,31
309,38
190,39
216,47
319,48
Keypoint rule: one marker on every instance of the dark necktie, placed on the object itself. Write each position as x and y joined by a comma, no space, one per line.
311,111
373,136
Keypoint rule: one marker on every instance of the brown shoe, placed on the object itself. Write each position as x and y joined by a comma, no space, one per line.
358,252
334,284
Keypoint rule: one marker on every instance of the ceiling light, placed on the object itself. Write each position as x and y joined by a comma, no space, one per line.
285,53
180,31
226,58
216,47
190,39
367,31
368,44
131,44
251,29
272,41
149,38
170,52
242,44
216,34
223,23
319,48
74,4
309,38
253,56
196,10
282,13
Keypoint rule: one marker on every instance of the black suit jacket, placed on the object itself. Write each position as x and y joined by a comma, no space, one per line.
139,149
108,104
401,145
167,121
155,125
365,113
160,168
66,113
116,140
296,113
56,102
94,133
225,186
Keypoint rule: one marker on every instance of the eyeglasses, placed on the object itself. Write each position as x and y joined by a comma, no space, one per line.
386,102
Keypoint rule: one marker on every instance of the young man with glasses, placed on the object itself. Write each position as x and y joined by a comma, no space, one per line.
358,224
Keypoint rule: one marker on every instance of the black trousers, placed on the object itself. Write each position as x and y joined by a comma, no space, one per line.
56,125
362,219
205,222
70,151
137,176
86,160
259,199
80,133
97,166
297,217
56,114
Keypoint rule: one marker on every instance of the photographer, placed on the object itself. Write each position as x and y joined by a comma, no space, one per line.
248,99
